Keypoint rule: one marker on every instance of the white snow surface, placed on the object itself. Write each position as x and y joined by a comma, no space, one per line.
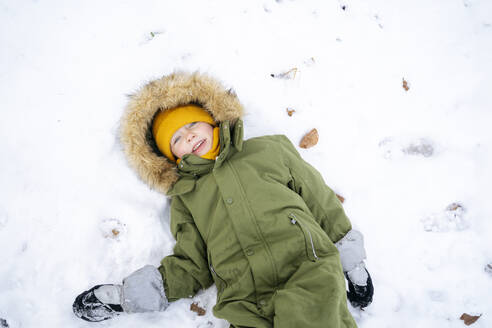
73,214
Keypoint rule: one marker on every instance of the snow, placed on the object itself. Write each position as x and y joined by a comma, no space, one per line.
73,214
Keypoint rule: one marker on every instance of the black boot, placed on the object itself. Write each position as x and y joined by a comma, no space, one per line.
360,296
88,307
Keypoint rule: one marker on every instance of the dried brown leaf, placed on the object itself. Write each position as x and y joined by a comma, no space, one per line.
290,111
405,85
197,309
310,139
112,228
310,62
454,207
289,75
469,319
340,198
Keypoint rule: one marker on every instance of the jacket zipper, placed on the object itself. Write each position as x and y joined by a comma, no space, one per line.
294,221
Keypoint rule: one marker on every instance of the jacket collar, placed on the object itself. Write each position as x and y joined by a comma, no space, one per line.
192,167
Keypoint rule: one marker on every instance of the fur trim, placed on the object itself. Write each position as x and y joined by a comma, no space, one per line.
170,91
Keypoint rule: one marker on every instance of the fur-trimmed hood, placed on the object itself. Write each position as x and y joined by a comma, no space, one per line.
170,91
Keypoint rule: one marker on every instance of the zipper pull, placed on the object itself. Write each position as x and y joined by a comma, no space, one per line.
292,218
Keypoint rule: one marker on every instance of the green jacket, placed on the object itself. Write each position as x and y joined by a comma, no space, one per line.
250,216
245,221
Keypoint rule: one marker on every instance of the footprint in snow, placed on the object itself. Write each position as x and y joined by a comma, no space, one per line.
3,323
392,148
488,268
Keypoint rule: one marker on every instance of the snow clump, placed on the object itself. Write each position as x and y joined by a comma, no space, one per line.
451,219
112,229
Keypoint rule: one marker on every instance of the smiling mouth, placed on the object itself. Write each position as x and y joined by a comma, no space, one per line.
198,145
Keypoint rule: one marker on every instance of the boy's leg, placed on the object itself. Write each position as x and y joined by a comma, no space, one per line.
313,297
243,314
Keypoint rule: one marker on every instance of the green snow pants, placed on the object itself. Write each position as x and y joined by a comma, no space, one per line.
313,297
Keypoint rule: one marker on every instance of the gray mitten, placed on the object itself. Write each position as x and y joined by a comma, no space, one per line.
143,291
351,249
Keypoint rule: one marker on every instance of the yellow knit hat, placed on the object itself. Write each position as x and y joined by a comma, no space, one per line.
168,121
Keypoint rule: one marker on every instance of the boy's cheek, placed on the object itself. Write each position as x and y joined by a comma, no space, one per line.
176,151
180,151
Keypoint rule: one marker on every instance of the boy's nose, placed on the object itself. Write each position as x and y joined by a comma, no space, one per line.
190,136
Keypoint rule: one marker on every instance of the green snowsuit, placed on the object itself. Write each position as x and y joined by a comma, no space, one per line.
260,223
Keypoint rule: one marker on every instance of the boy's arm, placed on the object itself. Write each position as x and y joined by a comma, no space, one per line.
328,211
186,271
321,200
149,289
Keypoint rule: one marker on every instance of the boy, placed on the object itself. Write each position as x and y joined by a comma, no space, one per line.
250,216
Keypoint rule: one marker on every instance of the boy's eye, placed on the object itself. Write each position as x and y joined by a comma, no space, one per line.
176,140
191,124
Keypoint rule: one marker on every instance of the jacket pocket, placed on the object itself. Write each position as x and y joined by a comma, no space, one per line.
308,237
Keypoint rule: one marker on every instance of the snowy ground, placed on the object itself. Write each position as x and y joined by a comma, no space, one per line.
72,214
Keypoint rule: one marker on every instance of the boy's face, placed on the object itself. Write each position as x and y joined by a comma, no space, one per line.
193,138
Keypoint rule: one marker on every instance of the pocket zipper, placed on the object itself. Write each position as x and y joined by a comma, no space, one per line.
218,277
294,221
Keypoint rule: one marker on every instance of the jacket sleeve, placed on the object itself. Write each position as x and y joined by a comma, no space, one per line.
186,271
321,200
